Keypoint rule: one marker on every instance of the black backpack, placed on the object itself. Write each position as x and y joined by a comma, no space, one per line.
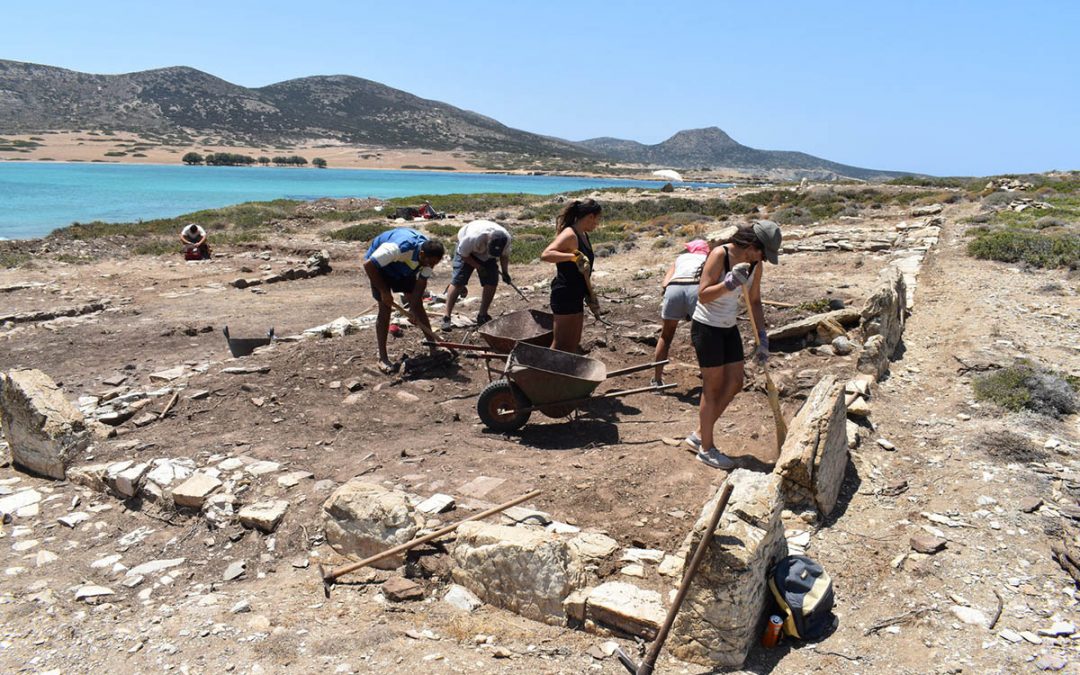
803,590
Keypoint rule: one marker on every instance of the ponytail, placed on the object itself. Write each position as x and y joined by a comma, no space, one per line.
575,211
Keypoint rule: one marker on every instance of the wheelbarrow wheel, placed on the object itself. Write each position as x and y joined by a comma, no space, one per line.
499,407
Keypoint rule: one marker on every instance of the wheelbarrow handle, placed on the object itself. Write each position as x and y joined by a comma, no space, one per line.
637,369
639,390
452,345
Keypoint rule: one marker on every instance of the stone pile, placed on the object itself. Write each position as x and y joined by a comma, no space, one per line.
213,489
48,315
317,264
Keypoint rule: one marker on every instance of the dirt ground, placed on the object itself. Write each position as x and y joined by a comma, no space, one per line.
611,467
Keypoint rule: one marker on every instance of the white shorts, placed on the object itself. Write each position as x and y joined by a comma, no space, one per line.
679,302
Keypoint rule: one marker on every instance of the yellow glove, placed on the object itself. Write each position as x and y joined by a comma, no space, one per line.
582,263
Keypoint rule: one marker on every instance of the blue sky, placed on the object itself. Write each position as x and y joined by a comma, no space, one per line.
948,88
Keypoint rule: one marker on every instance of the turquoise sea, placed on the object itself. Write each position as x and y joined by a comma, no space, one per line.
38,197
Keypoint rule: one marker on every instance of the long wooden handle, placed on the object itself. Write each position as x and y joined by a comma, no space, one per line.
351,567
424,329
770,386
647,665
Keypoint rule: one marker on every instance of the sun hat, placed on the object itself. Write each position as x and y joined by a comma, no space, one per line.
698,246
768,233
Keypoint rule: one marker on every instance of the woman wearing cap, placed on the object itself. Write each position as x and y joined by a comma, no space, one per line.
680,298
714,332
573,257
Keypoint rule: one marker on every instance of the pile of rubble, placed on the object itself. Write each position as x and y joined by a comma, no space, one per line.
317,264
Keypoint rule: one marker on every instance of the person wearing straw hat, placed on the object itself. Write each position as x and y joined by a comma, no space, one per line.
680,298
714,333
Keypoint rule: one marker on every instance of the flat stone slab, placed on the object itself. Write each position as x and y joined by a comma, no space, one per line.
626,608
437,503
154,566
245,370
293,478
168,375
194,491
398,589
481,486
262,467
87,592
264,515
14,502
73,519
642,555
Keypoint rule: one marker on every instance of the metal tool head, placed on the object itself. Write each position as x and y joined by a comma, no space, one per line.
327,580
627,662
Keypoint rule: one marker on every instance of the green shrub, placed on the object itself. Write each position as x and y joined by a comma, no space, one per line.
1037,249
1025,386
116,153
358,232
445,230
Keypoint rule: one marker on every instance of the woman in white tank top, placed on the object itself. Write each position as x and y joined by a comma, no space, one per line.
715,334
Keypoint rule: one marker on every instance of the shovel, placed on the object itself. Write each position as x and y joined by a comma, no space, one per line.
513,286
770,386
646,667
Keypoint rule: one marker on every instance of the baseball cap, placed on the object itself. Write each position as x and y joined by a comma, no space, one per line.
497,244
768,233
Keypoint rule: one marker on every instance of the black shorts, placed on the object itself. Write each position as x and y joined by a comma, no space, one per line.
399,285
566,300
488,272
716,346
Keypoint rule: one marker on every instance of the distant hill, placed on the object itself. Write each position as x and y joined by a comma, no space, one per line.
186,101
182,105
711,147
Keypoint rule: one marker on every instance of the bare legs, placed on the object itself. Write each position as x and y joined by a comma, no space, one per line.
719,385
487,294
567,331
382,329
663,345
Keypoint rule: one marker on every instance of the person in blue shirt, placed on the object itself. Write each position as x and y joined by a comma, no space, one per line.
400,260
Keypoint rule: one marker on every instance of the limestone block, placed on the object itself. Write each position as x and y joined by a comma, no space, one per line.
840,317
89,475
127,481
264,515
874,358
724,607
884,312
626,608
194,491
524,570
815,454
44,430
363,519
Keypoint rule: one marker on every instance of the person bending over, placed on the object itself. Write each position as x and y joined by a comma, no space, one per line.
572,254
680,298
483,246
400,260
194,239
714,332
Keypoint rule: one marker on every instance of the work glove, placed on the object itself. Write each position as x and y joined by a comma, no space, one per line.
506,277
738,276
582,263
761,355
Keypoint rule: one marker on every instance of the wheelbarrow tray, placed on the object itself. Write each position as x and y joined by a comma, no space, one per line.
530,326
243,346
550,376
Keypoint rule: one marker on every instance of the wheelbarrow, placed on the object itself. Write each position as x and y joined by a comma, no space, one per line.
243,346
504,333
555,383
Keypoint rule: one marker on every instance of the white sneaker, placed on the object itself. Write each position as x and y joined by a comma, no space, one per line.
694,441
716,459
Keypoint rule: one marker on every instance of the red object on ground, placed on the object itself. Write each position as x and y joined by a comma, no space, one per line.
396,330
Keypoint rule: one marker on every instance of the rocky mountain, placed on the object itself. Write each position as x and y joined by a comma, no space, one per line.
190,102
183,104
711,147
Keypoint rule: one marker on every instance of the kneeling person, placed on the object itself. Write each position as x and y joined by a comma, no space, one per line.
194,239
480,244
400,260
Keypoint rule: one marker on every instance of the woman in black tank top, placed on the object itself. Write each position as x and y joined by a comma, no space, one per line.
573,257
